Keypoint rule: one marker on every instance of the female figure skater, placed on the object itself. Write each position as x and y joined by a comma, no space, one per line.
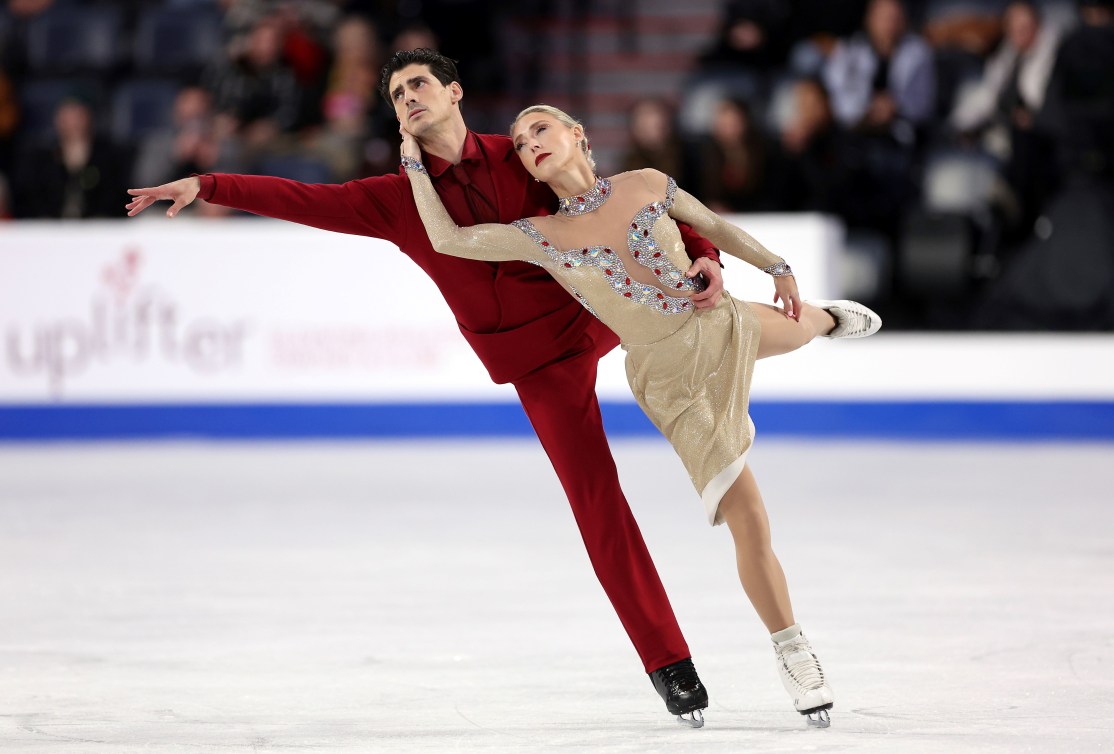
614,245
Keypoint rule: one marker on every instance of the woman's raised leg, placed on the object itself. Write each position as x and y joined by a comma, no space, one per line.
782,335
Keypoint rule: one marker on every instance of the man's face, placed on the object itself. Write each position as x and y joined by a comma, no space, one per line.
1021,26
885,23
421,102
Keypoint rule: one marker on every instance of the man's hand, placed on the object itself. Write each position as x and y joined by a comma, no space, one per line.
881,111
181,192
708,297
785,290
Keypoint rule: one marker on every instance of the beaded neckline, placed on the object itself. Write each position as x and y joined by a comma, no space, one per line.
591,199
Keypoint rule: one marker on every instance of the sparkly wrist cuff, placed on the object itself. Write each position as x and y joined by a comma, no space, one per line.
409,163
778,270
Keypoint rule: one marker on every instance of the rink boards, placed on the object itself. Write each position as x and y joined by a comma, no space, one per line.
258,329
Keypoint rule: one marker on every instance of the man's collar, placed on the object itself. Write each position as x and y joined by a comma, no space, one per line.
471,153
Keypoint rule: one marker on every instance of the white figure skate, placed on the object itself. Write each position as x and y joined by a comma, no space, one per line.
853,320
803,678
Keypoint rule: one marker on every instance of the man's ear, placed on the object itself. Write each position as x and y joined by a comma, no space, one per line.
456,93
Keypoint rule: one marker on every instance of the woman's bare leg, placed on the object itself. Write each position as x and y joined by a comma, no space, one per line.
782,335
759,569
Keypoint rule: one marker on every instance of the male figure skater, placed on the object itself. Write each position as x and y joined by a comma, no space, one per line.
525,328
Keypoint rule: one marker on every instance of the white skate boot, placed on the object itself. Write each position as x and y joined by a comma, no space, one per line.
853,320
802,676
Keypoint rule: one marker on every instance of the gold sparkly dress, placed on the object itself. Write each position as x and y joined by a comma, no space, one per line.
617,249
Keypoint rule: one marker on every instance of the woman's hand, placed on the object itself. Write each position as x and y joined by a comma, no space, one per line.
785,287
409,146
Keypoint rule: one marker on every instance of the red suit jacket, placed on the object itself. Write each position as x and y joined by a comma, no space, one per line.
513,314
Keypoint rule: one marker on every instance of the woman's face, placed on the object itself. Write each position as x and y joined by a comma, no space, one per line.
650,125
730,124
545,145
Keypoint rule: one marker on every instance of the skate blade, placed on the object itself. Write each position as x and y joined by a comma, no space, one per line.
818,718
694,719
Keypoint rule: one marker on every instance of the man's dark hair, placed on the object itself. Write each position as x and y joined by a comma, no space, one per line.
442,68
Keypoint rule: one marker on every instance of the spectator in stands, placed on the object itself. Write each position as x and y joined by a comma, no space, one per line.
415,36
79,176
190,145
350,108
751,35
1001,108
9,121
882,87
654,142
5,199
356,51
813,155
737,170
882,81
305,29
1015,78
1063,278
255,92
1079,108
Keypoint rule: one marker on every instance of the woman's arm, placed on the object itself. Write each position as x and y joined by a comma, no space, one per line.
733,240
489,242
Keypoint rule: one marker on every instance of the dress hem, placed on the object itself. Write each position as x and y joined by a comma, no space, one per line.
719,485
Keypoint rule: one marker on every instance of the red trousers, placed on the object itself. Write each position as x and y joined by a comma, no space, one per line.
560,400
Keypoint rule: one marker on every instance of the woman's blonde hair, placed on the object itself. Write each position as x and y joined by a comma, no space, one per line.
566,120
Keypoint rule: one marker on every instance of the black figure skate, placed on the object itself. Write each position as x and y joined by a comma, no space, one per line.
684,694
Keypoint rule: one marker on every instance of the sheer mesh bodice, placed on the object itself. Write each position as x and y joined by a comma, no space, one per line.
624,260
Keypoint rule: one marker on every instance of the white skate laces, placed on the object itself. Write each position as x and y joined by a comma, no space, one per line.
853,320
804,679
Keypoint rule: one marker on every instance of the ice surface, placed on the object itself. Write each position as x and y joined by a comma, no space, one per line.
434,597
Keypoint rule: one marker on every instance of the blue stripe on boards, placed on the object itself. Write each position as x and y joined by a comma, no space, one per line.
914,420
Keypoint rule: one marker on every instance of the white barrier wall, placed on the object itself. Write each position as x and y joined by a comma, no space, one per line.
158,310
155,311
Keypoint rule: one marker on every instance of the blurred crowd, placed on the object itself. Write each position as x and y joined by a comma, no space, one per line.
960,141
967,145
99,96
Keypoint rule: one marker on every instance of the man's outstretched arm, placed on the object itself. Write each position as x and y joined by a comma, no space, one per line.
367,207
